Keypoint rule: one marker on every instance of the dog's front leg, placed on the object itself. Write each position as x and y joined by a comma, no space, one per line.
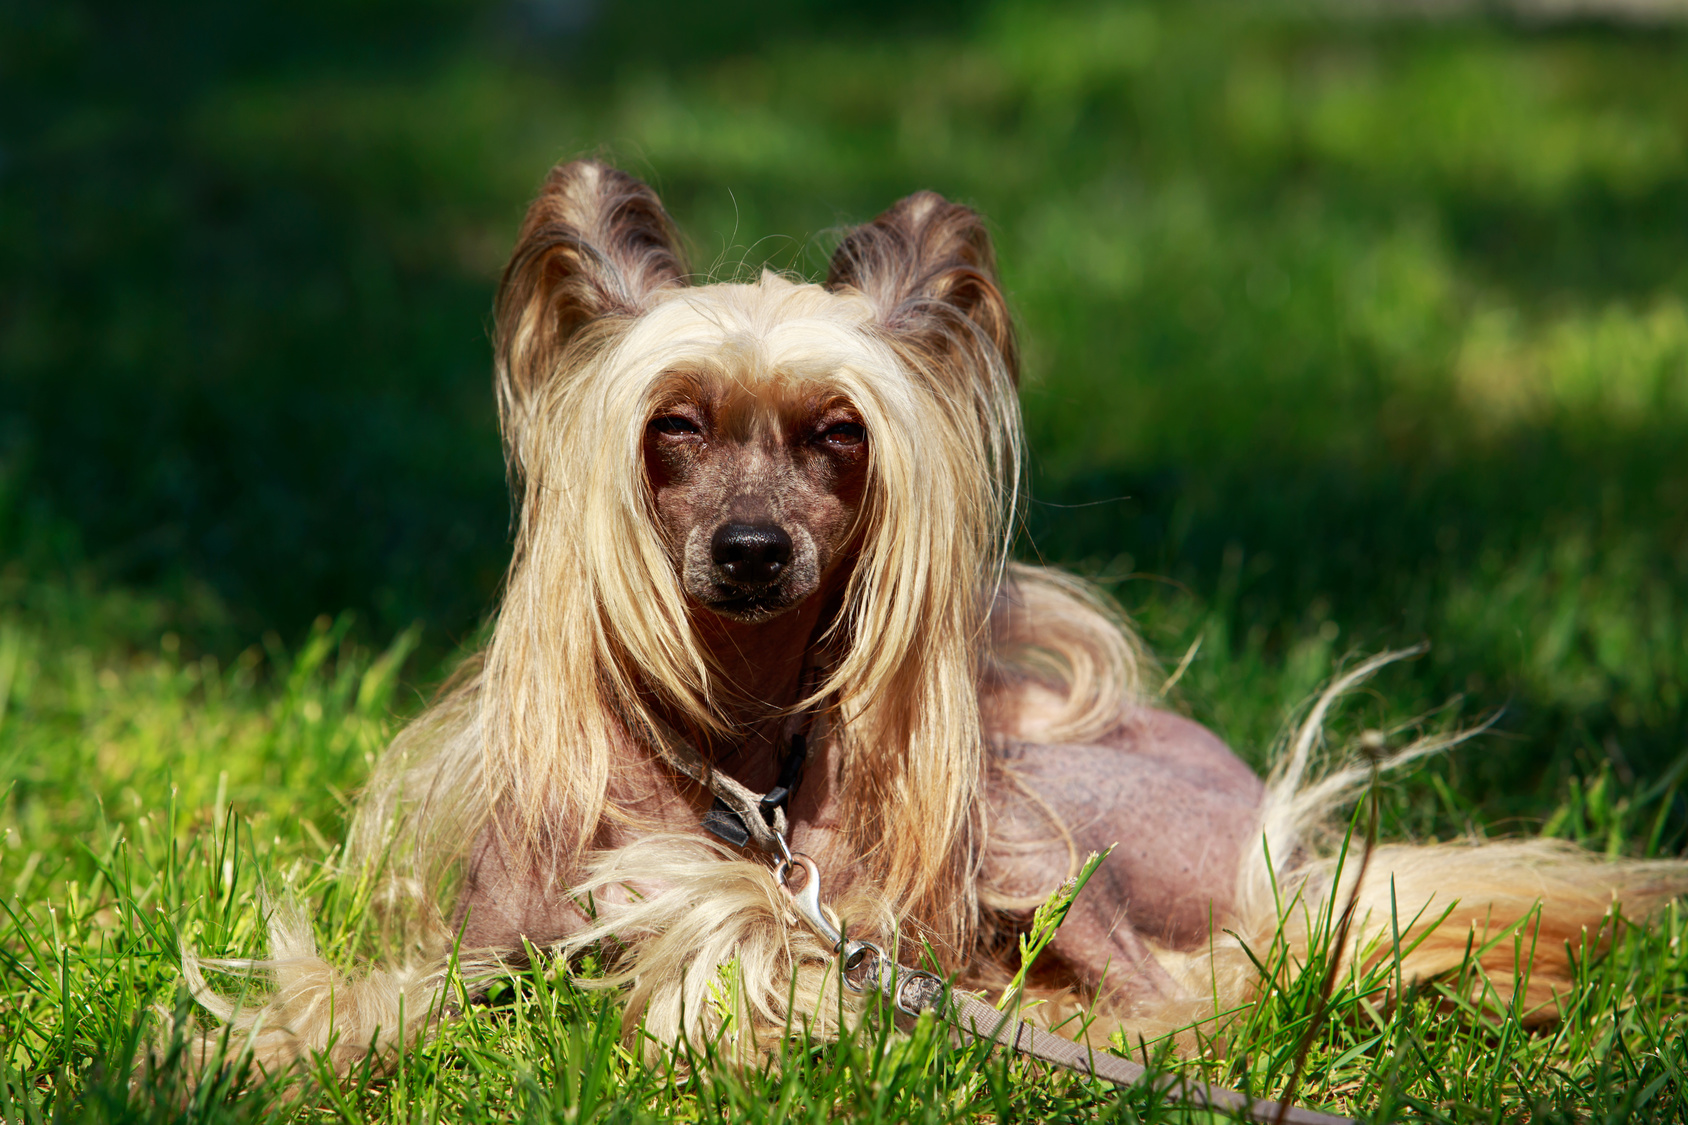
510,891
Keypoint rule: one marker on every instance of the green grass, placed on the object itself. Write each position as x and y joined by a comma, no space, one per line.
1341,334
153,801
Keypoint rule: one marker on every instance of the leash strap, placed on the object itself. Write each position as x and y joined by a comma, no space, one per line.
976,1019
912,991
740,815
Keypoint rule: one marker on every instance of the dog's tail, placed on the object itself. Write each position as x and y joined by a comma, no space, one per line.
1519,911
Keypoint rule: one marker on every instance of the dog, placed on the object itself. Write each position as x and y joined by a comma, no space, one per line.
762,515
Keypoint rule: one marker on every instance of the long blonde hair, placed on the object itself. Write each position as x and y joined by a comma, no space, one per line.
594,634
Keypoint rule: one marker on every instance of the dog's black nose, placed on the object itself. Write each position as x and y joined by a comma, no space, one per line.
750,554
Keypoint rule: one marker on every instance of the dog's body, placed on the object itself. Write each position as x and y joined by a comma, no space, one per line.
1180,807
753,511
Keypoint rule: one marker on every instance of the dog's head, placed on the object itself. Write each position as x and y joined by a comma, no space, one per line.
693,460
770,427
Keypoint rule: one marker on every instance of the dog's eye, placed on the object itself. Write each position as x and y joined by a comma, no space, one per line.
844,435
675,424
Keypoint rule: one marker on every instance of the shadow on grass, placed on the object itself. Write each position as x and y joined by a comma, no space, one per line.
1548,576
256,250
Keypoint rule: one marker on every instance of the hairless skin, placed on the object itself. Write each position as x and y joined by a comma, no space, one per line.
1177,804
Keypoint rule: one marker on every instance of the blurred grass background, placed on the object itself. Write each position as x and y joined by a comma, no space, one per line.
1346,329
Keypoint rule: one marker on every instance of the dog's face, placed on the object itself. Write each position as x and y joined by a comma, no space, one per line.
758,490
771,421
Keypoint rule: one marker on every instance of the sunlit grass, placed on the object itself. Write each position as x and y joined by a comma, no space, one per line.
152,801
1342,334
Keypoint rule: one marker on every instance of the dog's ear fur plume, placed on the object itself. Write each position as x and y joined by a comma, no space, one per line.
596,244
923,264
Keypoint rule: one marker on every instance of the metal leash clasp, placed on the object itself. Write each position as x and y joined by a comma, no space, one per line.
865,964
808,898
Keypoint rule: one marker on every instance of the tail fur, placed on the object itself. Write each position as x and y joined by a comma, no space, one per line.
1522,910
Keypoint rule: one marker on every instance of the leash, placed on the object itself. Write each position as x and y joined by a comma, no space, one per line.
741,816
913,991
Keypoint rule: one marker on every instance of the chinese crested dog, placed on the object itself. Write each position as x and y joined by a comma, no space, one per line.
761,515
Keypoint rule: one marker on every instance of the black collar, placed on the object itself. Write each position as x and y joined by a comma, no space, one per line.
729,826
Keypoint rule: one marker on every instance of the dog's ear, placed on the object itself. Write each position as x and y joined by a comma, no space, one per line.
596,243
923,264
